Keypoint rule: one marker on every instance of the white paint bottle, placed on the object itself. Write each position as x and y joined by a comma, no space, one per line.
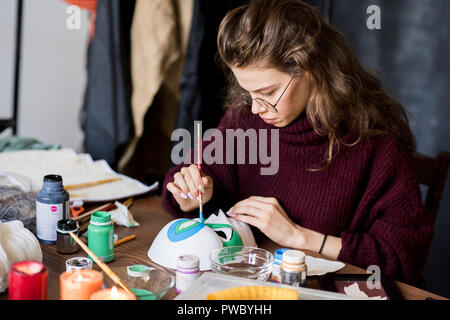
188,270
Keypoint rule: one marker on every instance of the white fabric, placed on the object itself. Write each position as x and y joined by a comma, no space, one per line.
74,169
122,216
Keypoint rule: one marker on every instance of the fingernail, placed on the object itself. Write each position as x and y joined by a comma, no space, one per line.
230,214
183,196
201,189
198,198
190,196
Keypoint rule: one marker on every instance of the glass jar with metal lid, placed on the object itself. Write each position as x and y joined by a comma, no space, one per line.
293,268
64,242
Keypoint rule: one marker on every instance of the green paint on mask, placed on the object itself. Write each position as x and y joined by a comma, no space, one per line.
235,239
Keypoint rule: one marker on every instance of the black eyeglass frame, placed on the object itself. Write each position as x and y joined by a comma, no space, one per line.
269,107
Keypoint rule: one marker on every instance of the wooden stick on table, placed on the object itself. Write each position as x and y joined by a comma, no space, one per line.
104,207
88,214
128,203
114,277
90,184
123,240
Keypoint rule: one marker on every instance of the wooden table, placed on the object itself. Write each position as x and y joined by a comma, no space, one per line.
152,217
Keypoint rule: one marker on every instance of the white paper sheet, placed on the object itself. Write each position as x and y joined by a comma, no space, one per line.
354,291
319,267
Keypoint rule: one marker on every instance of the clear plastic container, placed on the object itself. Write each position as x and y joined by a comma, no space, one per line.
210,282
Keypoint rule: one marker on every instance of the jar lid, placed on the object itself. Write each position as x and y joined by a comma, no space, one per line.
279,253
137,270
294,257
78,263
188,261
101,217
67,225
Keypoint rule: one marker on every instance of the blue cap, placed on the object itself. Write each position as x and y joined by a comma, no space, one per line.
279,253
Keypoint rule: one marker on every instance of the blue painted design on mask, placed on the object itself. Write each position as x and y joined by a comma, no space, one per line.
176,234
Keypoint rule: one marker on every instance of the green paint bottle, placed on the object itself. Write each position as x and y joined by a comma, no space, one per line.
101,236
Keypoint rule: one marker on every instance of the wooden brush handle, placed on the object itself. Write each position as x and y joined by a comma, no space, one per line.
126,239
104,207
88,214
114,277
90,184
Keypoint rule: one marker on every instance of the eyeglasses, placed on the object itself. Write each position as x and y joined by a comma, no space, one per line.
245,98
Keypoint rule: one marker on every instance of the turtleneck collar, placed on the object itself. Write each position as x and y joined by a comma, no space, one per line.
299,132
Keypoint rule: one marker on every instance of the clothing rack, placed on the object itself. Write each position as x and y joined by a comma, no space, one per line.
12,122
328,10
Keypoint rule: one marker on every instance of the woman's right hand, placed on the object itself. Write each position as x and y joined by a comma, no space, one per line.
186,186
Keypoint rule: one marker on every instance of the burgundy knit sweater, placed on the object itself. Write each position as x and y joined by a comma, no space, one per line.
369,196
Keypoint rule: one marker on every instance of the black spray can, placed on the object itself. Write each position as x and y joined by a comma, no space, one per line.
52,205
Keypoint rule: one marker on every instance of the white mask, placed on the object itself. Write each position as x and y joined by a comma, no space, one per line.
190,237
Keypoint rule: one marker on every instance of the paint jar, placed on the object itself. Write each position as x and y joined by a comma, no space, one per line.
101,235
78,263
64,242
138,278
136,273
188,270
293,268
278,257
52,205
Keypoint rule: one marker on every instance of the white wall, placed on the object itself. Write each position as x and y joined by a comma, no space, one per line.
7,29
53,71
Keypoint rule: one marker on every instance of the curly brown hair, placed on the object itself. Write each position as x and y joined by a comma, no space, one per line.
292,37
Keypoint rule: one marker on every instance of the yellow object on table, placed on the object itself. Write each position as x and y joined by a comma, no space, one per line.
254,293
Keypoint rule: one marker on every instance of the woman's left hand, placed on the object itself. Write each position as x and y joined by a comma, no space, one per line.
268,216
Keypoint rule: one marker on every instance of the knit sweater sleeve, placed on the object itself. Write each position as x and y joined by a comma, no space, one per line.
222,174
390,228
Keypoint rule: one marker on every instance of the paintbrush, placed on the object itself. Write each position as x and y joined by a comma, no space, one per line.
199,165
114,277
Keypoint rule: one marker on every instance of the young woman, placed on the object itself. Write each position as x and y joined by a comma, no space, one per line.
346,185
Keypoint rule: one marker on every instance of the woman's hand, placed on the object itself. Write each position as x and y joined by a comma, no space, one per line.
268,216
186,186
